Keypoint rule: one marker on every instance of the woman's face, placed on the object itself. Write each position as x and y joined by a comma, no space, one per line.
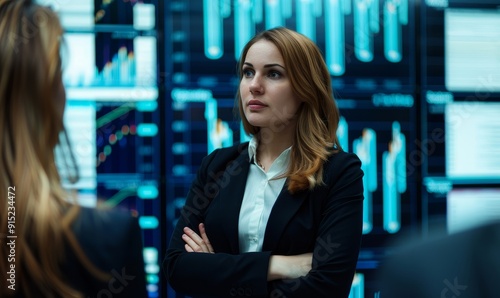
266,92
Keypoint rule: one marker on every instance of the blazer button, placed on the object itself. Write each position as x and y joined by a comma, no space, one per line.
248,292
233,292
241,292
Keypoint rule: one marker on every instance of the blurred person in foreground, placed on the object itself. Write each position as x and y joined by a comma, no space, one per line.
464,264
50,246
281,215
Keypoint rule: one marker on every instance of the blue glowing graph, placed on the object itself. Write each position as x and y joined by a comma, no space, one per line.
121,62
343,134
219,134
367,15
358,286
120,70
394,176
365,148
121,130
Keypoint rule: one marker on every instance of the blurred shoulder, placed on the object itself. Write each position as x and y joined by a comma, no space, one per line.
97,218
106,235
468,260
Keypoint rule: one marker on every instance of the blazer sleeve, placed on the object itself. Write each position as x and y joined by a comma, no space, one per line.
339,237
112,241
211,275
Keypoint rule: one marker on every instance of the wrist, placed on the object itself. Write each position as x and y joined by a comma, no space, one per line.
276,268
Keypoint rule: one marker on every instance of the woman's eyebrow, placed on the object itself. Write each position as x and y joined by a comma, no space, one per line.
266,65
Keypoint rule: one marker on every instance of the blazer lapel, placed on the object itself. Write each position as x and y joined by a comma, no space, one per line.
233,196
283,210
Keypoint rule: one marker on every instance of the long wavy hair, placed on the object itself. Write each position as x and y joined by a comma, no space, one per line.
31,118
315,137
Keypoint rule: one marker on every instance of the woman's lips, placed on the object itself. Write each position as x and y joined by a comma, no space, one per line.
256,105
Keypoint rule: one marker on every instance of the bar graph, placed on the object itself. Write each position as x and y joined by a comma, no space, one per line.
366,23
129,73
358,286
335,36
343,134
218,132
246,16
307,13
120,130
213,14
119,71
365,148
395,16
394,176
368,17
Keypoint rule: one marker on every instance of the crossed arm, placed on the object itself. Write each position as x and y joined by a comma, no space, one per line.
280,267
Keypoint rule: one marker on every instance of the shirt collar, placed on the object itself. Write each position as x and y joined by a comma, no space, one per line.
252,148
282,160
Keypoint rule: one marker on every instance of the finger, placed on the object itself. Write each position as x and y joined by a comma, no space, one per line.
188,248
194,240
204,235
192,234
191,243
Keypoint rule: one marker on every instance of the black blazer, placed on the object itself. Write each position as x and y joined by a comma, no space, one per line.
112,241
326,221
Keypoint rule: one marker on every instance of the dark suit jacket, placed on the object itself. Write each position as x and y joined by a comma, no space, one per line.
326,221
112,241
464,265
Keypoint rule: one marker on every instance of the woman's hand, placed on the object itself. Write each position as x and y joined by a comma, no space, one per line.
286,267
195,243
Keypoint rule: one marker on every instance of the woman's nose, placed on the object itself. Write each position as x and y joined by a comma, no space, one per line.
256,85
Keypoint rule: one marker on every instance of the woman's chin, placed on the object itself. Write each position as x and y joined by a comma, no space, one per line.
256,120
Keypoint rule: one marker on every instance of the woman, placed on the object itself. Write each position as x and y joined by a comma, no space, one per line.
50,247
280,216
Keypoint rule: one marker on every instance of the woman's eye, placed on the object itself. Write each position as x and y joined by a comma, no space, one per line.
247,73
274,74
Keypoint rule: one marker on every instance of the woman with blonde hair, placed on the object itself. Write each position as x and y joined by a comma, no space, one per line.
49,246
280,216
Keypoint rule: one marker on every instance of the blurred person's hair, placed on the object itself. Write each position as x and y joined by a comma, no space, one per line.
32,103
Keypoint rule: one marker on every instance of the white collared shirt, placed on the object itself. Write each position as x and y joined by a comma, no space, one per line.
261,192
